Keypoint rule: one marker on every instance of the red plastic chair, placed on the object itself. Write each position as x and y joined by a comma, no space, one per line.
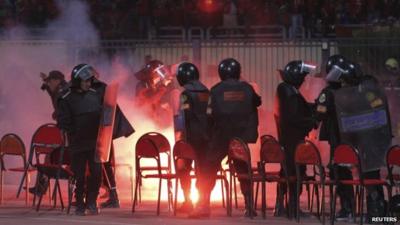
272,153
392,161
44,140
307,154
58,168
348,155
164,148
150,146
239,151
12,145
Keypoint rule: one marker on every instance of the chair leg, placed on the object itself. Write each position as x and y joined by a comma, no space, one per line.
251,203
70,188
136,193
228,198
36,189
298,201
39,202
140,189
289,210
354,206
389,191
131,178
323,203
169,195
309,200
27,179
256,195
176,195
230,190
159,197
1,185
333,206
60,195
361,205
222,192
263,199
235,192
318,202
21,184
50,196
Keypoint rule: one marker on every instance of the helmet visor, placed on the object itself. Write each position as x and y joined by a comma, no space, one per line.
335,74
160,74
307,67
86,73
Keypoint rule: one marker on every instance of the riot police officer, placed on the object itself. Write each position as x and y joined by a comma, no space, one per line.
54,84
79,111
294,118
326,113
373,137
232,111
191,126
154,92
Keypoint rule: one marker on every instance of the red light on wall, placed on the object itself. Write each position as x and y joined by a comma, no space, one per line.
208,6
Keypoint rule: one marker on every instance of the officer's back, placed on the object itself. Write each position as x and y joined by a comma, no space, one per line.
233,105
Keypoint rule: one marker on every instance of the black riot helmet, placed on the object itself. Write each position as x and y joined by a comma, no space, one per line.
338,60
156,73
229,68
187,72
353,74
82,72
295,72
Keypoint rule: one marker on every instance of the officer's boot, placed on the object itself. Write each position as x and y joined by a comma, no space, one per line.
187,205
113,201
249,212
202,209
80,209
41,187
346,211
91,205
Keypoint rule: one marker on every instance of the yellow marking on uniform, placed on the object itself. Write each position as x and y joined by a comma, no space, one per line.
377,102
209,111
185,106
321,109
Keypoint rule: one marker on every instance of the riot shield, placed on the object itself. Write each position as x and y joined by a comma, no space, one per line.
104,137
364,122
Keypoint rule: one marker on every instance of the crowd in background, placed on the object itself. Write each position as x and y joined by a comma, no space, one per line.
125,19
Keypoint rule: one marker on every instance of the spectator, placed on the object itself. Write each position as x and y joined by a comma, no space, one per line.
144,13
230,14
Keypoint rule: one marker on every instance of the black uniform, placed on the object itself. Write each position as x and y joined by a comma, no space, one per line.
79,116
233,109
294,121
326,113
42,183
193,106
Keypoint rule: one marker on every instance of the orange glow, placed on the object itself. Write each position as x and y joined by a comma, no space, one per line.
125,154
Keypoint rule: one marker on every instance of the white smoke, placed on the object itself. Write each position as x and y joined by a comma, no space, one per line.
23,105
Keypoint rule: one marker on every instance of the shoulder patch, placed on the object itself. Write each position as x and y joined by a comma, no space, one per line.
183,98
322,98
